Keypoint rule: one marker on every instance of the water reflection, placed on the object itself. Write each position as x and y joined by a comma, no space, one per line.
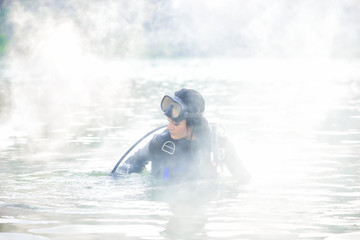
187,204
343,123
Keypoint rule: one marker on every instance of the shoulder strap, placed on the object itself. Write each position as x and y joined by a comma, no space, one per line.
217,155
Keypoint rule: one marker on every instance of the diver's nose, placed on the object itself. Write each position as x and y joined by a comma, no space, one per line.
170,126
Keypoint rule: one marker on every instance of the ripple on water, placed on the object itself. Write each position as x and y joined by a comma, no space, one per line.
134,230
22,236
344,236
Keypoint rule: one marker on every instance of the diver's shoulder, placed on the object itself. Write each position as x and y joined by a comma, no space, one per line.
158,140
161,137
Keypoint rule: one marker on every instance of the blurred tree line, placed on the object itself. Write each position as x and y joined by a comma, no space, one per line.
4,29
4,84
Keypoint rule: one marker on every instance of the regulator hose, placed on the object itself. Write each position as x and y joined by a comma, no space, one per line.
132,147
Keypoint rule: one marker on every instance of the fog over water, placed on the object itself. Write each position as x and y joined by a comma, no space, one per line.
81,49
81,81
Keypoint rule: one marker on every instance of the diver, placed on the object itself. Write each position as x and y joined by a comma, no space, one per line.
187,149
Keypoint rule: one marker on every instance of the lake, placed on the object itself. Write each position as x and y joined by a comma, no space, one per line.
295,124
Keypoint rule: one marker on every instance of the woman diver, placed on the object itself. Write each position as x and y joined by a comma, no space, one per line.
186,149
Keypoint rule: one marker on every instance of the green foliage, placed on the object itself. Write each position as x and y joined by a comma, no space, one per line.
3,39
2,44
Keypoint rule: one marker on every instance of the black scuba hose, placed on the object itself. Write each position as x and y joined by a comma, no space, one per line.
132,147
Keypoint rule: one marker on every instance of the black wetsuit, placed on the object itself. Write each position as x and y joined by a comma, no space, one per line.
184,159
173,159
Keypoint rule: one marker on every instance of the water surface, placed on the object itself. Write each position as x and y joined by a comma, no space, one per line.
296,125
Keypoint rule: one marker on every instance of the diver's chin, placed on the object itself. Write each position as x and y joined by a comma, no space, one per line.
173,137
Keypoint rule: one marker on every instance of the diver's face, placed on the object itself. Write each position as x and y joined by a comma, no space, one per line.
178,130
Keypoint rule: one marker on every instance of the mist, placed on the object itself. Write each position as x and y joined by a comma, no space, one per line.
63,58
82,80
158,29
73,48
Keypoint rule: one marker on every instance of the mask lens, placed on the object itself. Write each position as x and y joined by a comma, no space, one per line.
176,110
167,102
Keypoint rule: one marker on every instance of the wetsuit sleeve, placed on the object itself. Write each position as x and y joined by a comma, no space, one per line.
233,162
136,162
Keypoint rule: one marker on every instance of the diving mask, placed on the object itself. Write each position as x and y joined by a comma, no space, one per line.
173,108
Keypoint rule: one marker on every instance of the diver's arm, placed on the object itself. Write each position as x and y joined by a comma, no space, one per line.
136,162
